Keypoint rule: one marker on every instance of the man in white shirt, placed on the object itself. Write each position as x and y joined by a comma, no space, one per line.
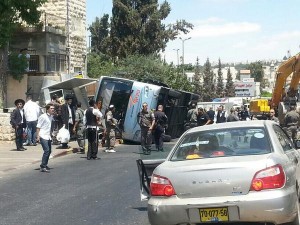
43,135
32,112
92,116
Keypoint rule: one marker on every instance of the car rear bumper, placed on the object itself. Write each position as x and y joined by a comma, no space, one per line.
274,206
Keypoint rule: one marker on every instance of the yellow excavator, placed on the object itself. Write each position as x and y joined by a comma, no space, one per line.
283,98
285,91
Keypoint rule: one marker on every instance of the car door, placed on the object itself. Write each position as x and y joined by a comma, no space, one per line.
145,170
289,150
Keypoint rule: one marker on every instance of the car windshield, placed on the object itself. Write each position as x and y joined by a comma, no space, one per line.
222,143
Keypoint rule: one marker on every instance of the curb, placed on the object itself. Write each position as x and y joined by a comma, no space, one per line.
63,153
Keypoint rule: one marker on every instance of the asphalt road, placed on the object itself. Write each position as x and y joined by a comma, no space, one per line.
76,191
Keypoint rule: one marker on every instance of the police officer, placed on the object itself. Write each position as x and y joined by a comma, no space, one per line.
78,127
291,120
110,124
192,116
161,121
146,120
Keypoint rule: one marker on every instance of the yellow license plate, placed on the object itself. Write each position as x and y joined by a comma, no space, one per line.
214,214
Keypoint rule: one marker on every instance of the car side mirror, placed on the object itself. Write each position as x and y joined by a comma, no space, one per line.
297,144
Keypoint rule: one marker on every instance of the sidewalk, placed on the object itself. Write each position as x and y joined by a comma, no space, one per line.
11,159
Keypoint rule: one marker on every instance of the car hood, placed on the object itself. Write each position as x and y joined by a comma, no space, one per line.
213,177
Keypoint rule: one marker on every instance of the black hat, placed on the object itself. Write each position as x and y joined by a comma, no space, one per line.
19,101
68,97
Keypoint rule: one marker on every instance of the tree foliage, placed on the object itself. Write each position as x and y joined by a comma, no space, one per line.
257,71
135,28
137,67
230,92
17,66
197,78
220,85
14,11
208,86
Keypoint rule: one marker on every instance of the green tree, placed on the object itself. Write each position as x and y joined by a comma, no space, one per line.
100,40
197,78
137,28
238,75
257,73
230,92
220,85
12,12
208,86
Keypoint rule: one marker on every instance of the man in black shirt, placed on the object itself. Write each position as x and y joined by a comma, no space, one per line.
161,121
202,118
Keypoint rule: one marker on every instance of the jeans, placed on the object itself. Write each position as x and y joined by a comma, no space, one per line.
31,132
46,145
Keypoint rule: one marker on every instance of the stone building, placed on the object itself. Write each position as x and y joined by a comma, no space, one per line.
70,16
57,49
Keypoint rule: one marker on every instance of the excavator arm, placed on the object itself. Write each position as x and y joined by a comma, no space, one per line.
291,66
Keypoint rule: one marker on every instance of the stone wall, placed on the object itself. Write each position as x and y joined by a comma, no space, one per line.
7,133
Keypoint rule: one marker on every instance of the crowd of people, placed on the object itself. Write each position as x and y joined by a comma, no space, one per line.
200,117
59,122
60,115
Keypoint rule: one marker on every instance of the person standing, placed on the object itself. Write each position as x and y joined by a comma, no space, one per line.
161,121
221,115
43,135
192,116
291,121
202,117
110,132
273,117
146,120
18,122
92,118
232,116
67,115
32,112
78,127
211,114
56,123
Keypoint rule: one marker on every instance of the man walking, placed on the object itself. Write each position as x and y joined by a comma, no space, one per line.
161,121
146,120
43,135
32,112
18,122
78,127
92,118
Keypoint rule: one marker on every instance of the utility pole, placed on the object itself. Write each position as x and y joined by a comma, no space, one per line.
68,36
177,49
183,40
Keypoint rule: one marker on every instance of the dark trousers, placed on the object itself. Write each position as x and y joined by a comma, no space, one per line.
19,136
46,145
159,137
146,139
92,143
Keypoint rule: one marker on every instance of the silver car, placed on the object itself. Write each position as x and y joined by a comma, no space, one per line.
232,172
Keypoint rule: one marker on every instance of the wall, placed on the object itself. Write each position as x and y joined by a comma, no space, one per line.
7,134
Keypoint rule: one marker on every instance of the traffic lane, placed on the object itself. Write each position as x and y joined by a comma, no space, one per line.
77,191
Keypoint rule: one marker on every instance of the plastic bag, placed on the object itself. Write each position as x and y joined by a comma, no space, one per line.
63,135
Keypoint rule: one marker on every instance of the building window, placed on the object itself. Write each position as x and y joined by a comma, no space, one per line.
55,62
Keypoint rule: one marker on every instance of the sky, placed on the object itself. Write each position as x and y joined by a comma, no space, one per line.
229,30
